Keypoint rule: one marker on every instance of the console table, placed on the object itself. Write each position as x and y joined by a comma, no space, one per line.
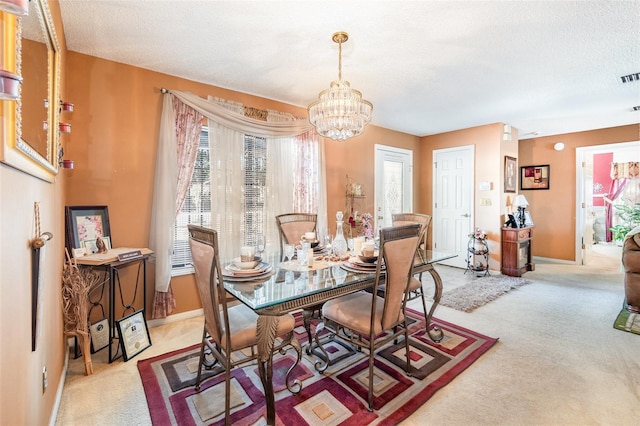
516,251
111,265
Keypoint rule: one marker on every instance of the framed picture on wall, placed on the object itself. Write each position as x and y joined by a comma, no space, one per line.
85,224
510,175
534,177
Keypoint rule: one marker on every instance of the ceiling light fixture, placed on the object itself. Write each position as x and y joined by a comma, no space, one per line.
340,112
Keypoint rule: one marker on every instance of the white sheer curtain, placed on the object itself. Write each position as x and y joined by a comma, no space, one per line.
226,151
280,152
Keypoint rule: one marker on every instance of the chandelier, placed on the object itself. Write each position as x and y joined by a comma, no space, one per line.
340,112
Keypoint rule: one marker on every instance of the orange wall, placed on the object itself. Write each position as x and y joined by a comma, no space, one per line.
554,210
23,401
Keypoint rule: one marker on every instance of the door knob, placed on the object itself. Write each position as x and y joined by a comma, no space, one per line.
466,215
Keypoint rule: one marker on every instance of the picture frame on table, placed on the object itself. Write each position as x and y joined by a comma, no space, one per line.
510,175
84,224
535,177
134,334
90,246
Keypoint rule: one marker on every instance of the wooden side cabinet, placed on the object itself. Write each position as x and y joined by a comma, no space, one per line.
516,251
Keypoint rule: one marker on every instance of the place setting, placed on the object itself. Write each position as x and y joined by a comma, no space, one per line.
247,267
366,261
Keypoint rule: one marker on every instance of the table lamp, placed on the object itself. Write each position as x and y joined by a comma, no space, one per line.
520,202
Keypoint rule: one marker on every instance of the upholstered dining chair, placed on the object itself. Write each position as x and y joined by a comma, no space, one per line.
291,228
368,320
228,329
400,219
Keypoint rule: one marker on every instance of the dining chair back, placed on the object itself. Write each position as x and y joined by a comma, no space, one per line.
400,219
292,226
228,329
415,285
362,318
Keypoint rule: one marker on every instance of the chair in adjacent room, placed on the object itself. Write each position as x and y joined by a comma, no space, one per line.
291,228
368,320
401,219
228,329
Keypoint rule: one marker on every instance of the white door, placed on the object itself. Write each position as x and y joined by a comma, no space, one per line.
453,171
393,183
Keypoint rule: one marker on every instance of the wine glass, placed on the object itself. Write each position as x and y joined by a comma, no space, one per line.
289,251
350,244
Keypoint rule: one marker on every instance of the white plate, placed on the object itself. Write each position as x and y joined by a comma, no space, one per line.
255,279
234,270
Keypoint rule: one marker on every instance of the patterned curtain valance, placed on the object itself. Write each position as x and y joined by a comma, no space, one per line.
629,170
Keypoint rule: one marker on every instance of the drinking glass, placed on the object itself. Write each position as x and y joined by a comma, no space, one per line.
302,255
327,243
350,244
289,251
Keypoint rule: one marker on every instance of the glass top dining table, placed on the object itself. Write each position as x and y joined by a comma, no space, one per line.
290,287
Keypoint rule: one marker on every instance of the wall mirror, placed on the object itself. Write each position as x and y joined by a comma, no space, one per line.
31,138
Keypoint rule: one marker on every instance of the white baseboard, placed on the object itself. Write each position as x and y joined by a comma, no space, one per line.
174,318
552,260
63,377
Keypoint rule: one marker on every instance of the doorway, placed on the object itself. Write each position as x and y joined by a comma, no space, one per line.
590,217
393,183
453,201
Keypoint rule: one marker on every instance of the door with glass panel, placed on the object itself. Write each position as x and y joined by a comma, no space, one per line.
393,183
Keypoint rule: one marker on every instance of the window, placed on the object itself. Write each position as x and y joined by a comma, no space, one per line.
196,208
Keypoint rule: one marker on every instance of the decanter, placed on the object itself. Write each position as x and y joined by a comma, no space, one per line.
339,245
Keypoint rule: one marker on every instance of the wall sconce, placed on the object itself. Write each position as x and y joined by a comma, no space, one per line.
559,146
9,85
15,7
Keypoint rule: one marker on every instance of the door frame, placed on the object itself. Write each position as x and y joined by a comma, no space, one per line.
581,153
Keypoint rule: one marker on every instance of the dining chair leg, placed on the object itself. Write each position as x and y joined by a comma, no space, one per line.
227,391
424,309
371,366
201,360
406,346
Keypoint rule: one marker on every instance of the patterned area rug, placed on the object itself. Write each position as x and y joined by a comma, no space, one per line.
336,397
480,291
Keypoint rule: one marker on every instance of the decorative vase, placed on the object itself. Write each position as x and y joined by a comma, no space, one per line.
339,245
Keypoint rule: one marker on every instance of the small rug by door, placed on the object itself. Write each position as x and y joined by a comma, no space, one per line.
627,321
480,291
336,397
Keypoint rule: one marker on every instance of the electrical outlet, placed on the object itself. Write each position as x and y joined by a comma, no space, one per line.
45,380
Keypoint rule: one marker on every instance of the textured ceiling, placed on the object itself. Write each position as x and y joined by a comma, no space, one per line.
428,67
